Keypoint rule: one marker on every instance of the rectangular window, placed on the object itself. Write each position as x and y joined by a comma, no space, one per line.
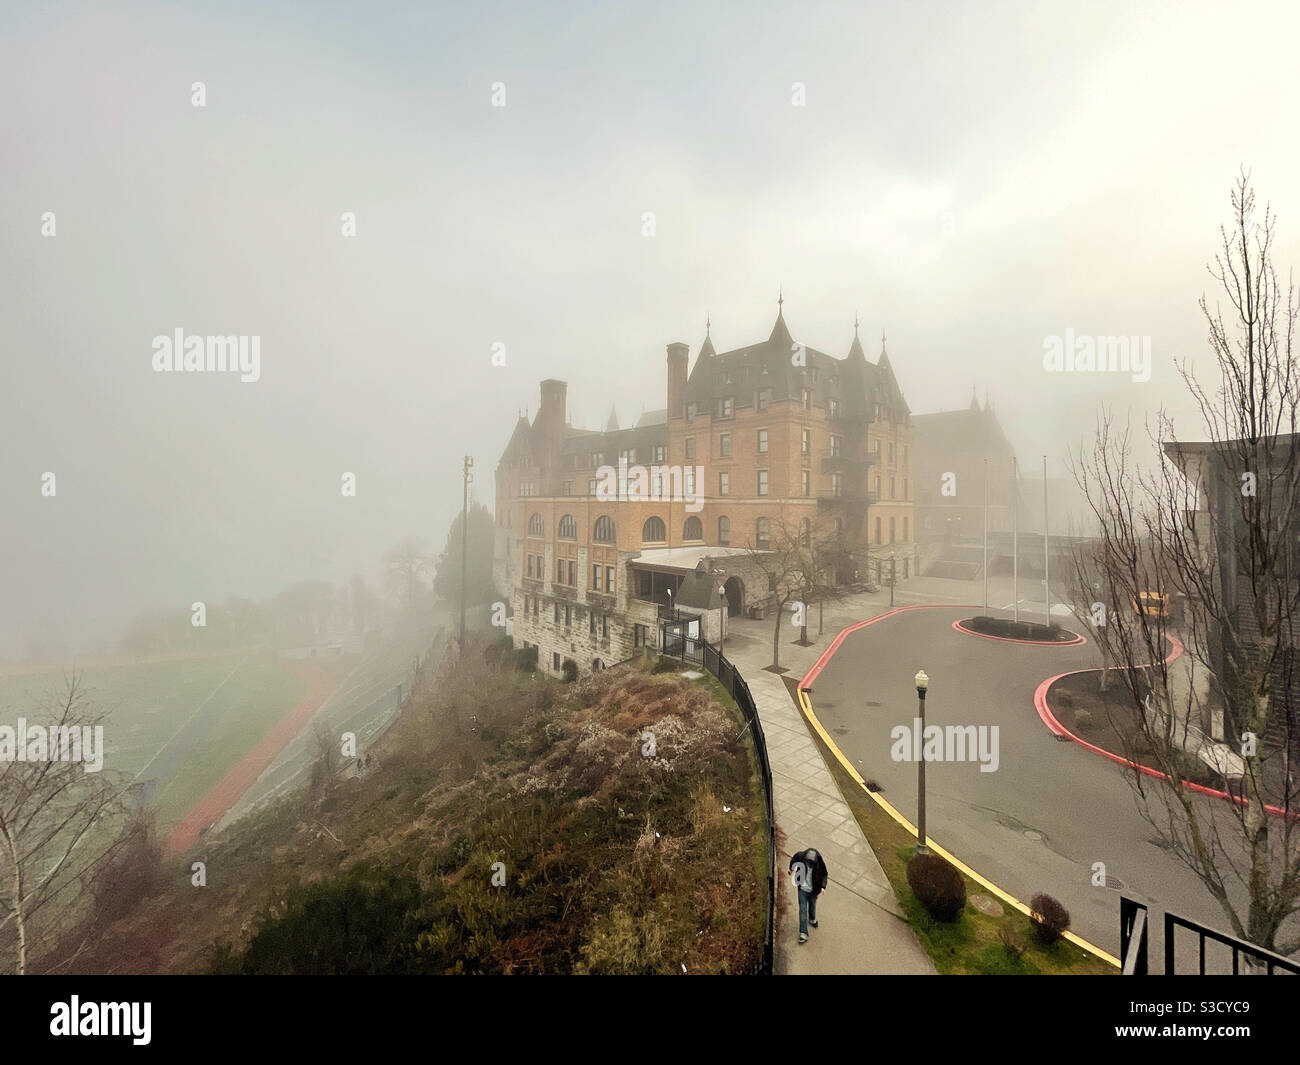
591,487
609,579
604,626
591,620
724,445
638,635
805,446
568,615
762,441
627,455
805,398
834,410
529,560
837,484
727,407
905,538
807,482
724,483
762,400
555,660
837,446
595,578
690,448
762,482
559,571
557,613
661,453
573,574
891,488
688,481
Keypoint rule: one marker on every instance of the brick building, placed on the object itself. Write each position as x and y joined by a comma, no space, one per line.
750,442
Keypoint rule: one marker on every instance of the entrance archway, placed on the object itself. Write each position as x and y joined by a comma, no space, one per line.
735,589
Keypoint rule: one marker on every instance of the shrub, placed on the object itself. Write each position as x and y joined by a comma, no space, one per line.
1049,917
1083,719
569,671
938,886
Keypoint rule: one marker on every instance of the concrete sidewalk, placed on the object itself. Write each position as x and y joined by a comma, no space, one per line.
861,927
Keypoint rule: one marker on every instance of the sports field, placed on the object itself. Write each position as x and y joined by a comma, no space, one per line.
178,725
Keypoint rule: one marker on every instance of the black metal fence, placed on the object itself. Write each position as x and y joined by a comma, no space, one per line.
729,677
1133,927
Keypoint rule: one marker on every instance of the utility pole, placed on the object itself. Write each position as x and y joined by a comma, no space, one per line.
464,552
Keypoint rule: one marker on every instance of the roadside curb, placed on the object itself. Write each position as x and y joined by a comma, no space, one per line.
1057,729
805,705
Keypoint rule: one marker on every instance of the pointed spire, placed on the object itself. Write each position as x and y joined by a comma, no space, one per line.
974,399
884,355
780,331
706,349
855,349
612,425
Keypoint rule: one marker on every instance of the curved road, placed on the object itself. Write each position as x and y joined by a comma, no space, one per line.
1049,811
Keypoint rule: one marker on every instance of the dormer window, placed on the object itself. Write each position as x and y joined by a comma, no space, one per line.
726,407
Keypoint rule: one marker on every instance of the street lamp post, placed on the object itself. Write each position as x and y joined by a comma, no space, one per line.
922,683
722,621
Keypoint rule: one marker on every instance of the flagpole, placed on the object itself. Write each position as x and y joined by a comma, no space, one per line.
1015,534
1047,603
986,537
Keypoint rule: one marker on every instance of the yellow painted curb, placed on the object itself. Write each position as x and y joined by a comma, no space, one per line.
805,704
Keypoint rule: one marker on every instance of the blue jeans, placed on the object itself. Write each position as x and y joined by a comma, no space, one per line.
807,909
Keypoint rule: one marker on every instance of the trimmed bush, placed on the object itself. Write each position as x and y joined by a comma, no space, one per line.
1049,917
938,886
569,671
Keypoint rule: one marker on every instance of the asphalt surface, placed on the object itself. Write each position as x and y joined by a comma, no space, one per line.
1049,811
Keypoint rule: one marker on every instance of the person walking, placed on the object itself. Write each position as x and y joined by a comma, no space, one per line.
810,877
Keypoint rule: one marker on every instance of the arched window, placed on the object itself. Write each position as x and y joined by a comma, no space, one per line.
693,529
763,534
724,531
603,533
568,528
654,531
535,526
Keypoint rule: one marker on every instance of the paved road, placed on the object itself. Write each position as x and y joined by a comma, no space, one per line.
1050,810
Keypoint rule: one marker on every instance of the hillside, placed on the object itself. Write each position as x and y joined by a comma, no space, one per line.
616,855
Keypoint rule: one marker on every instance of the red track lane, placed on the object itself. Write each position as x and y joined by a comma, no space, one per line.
213,806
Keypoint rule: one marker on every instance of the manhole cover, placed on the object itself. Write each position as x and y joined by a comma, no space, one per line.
987,904
1031,834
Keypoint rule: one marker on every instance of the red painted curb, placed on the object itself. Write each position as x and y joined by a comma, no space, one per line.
1057,729
1078,638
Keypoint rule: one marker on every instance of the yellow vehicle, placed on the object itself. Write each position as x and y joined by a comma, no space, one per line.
1152,604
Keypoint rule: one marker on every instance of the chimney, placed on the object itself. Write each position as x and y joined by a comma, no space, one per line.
678,356
551,419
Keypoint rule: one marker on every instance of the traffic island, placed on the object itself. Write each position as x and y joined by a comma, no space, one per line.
1010,631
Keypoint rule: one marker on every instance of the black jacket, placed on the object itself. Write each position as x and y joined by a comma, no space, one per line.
812,861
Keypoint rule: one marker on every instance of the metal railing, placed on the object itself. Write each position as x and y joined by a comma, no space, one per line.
1133,925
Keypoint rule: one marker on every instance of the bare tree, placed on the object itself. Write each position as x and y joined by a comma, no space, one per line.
1214,524
405,567
57,821
796,569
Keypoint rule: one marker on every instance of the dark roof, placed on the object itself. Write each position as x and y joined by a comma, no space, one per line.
856,383
960,430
